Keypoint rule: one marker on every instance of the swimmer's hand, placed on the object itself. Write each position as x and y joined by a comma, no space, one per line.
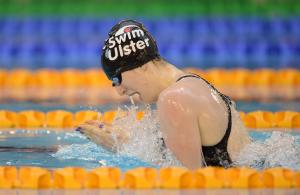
103,134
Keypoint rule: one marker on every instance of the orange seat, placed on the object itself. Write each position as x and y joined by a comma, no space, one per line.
218,77
31,118
287,77
238,177
263,77
72,78
34,178
69,178
259,119
176,178
282,178
3,75
273,178
109,116
8,176
261,180
296,180
140,178
86,115
103,177
296,121
216,177
207,178
287,119
239,77
8,119
96,78
59,118
48,78
297,79
20,78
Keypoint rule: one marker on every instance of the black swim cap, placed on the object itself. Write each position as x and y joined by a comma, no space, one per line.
128,46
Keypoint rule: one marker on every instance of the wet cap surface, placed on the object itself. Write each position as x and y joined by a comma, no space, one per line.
128,46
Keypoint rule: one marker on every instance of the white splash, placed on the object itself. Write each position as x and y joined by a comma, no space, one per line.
144,147
145,138
87,152
280,150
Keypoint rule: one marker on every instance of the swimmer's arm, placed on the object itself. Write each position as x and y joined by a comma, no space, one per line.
103,134
180,128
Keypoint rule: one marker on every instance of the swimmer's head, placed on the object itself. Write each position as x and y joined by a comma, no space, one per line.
128,46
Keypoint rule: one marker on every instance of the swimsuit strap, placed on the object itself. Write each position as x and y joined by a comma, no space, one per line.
224,97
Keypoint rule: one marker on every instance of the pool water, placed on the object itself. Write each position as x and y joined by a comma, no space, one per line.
55,149
245,106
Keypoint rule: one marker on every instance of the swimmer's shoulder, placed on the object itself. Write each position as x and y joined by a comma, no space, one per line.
187,88
191,92
174,91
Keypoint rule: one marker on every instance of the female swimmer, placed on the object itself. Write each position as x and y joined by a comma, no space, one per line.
195,118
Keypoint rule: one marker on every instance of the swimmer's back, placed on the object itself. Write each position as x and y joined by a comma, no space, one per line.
206,104
212,114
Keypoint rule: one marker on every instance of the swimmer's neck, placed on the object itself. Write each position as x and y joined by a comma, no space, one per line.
163,74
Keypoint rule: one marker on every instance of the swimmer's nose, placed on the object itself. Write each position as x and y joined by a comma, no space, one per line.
120,90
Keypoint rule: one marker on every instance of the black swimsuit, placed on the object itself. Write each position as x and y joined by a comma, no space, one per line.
217,155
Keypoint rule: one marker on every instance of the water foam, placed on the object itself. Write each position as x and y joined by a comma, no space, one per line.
279,150
145,138
144,147
97,156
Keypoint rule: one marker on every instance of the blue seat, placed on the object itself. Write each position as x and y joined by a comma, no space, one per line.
201,29
241,26
5,56
49,27
11,27
31,26
273,49
195,55
209,52
253,51
296,51
295,26
247,41
173,53
104,25
85,27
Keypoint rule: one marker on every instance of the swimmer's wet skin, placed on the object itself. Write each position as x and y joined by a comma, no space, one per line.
195,118
217,155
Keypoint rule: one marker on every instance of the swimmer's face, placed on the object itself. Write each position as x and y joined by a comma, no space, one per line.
134,83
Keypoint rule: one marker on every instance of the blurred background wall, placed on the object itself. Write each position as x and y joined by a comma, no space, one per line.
199,33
